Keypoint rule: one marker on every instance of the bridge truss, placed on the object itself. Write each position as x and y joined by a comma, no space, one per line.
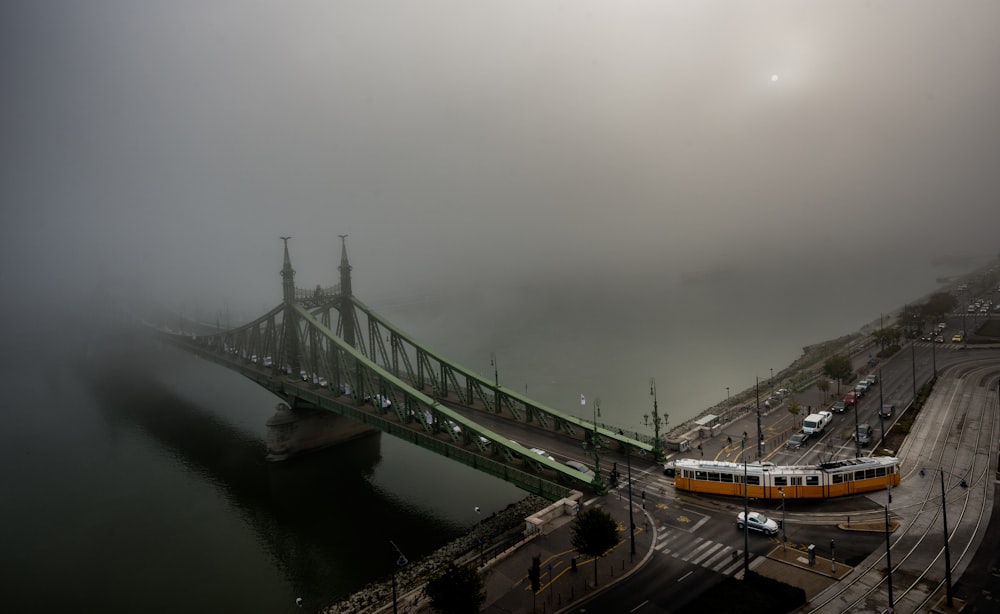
326,349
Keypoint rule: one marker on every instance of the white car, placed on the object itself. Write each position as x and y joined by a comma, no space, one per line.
541,452
585,470
758,522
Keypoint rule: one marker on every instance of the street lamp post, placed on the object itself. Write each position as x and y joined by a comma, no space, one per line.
496,382
947,551
746,523
727,395
934,355
784,538
944,518
857,441
760,437
657,423
399,562
881,414
888,562
631,522
595,441
913,362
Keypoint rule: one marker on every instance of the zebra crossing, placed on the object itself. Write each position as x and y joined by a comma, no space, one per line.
697,550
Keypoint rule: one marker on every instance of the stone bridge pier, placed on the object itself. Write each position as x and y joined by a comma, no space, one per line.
297,430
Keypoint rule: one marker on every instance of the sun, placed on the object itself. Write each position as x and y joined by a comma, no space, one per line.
774,78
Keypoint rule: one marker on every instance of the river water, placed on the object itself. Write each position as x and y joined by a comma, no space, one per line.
136,481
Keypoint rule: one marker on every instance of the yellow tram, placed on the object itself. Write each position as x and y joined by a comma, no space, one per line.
767,480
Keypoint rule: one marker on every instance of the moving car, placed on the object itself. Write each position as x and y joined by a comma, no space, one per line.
795,441
886,411
757,522
864,434
839,407
850,398
957,337
585,470
541,452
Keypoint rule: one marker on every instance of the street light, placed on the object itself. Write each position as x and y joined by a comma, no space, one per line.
399,562
631,522
657,423
857,440
727,395
760,437
944,518
881,412
746,523
888,561
595,442
784,538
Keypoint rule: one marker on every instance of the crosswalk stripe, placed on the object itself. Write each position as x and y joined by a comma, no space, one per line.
725,560
706,554
729,570
714,558
697,550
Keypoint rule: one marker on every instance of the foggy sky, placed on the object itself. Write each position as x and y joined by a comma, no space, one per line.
485,142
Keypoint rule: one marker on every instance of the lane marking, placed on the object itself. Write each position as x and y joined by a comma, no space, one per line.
685,575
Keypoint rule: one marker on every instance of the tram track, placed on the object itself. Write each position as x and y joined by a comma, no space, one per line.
943,451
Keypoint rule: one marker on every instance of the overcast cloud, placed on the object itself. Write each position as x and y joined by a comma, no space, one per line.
176,141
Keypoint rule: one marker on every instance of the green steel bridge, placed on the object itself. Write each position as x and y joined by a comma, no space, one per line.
325,349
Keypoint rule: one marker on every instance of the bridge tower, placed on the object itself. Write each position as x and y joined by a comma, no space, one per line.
348,325
290,322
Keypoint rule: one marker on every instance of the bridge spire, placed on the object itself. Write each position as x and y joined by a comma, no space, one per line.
291,326
346,307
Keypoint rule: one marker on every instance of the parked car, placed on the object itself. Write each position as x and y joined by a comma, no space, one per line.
757,522
795,441
861,388
863,434
839,407
850,398
872,379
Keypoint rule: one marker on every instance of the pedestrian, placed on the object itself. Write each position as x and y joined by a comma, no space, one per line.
702,452
729,440
298,601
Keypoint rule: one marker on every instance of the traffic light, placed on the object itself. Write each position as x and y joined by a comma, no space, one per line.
535,573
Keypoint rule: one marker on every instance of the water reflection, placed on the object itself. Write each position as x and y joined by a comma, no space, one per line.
319,517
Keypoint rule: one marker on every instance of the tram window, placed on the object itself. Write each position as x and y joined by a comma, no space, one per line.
780,480
796,481
753,479
699,475
859,475
713,476
812,480
869,473
837,478
880,472
726,477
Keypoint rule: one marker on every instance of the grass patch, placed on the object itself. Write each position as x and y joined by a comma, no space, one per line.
755,595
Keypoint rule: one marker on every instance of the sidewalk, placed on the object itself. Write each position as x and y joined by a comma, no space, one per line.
509,590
